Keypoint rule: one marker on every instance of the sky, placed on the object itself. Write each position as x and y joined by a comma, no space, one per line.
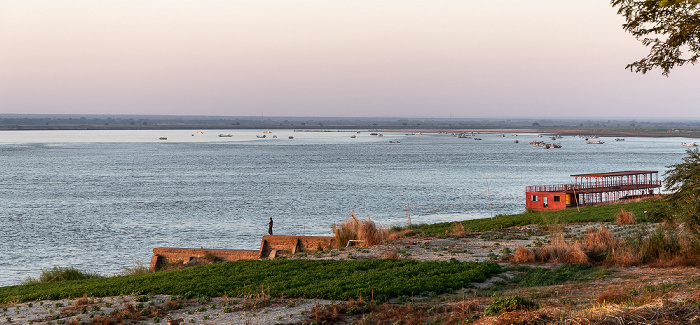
354,58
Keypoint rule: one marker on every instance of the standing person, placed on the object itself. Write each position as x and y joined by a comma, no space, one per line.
270,229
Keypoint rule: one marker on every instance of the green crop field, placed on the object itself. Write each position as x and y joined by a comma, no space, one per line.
342,280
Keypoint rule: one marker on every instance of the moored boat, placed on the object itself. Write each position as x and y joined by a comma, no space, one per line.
221,135
595,142
689,144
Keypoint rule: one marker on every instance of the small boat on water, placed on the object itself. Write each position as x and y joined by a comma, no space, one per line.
268,132
261,136
221,135
290,137
619,139
595,142
353,136
516,141
394,141
689,144
163,138
477,138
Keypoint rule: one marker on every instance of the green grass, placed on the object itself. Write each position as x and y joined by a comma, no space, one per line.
511,303
602,213
340,280
58,273
536,277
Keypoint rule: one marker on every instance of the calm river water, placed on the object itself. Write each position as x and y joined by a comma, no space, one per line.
97,200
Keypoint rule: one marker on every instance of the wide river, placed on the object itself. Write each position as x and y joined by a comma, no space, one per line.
98,200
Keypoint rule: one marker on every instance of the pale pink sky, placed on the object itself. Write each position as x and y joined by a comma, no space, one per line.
509,58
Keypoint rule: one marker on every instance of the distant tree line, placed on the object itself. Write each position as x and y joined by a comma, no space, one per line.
57,122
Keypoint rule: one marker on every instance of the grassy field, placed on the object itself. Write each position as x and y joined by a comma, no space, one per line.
602,213
342,280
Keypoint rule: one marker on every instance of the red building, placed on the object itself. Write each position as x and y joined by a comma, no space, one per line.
592,189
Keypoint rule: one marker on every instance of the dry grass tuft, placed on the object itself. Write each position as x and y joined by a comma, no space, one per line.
676,260
614,295
82,301
364,231
625,218
459,230
390,254
523,255
599,241
390,235
561,251
625,256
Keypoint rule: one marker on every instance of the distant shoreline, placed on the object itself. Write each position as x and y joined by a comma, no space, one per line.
631,132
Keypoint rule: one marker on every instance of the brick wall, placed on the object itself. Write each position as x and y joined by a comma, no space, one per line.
167,255
295,243
269,244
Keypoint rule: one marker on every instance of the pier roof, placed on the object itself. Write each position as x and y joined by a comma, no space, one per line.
623,173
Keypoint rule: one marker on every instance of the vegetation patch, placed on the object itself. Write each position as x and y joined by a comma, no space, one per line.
378,279
511,303
58,273
601,213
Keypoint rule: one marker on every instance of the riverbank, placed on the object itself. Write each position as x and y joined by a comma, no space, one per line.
338,285
578,293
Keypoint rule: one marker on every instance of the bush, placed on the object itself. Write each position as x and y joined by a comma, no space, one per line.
139,267
599,242
523,255
59,273
561,251
625,218
661,243
364,231
511,303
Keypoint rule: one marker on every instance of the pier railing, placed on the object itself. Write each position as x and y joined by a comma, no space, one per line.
590,187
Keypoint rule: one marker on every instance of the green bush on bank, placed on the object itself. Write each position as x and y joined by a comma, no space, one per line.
58,273
339,280
601,213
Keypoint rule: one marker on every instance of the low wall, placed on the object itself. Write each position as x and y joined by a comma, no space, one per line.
268,249
167,255
295,243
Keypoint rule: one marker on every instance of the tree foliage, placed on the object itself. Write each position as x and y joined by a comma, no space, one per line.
671,28
683,181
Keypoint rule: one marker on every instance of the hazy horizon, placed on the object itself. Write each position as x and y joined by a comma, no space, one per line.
382,59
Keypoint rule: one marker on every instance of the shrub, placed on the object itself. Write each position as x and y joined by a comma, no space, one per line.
58,273
626,255
391,254
625,218
364,231
523,255
660,243
614,295
561,251
459,230
139,267
511,303
599,241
